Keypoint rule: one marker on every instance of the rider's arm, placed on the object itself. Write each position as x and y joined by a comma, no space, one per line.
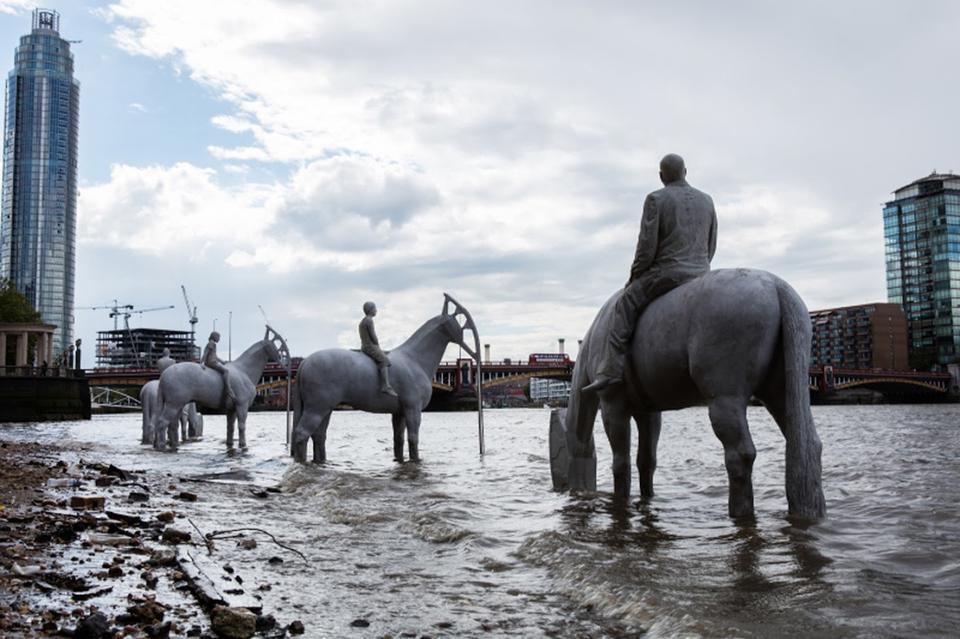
372,333
713,232
647,242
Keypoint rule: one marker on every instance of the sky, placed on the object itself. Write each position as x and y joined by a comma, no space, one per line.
309,156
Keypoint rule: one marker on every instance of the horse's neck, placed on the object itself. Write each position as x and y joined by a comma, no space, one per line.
252,362
426,346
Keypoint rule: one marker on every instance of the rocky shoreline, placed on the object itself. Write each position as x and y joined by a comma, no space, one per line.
90,551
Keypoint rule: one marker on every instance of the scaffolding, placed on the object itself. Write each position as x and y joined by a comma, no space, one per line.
142,347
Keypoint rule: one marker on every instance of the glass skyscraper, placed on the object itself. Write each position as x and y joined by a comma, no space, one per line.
921,229
38,223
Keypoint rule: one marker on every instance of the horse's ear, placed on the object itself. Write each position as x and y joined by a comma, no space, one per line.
266,333
446,304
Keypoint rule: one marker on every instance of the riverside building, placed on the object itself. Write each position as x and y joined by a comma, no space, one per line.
921,227
38,218
866,336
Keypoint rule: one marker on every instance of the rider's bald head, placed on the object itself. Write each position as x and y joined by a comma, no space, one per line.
369,307
672,168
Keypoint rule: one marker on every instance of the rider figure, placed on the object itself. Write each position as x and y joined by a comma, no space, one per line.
211,360
370,346
165,361
678,237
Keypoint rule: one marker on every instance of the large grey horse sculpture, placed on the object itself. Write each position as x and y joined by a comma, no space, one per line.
720,339
338,376
190,382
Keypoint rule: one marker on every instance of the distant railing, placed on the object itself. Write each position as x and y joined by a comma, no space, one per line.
39,371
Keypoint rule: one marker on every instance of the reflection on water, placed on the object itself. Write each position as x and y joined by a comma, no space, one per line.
458,545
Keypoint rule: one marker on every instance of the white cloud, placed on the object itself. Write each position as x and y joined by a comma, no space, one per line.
170,210
505,149
16,6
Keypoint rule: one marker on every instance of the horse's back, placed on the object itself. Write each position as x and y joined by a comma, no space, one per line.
335,376
184,382
714,335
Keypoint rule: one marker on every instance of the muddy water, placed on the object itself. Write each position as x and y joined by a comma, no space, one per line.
459,545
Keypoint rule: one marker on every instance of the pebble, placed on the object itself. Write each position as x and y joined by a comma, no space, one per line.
174,536
296,627
360,623
80,502
166,516
185,496
136,496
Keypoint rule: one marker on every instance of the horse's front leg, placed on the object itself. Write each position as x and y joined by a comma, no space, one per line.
616,423
231,419
728,415
398,428
412,418
242,426
648,436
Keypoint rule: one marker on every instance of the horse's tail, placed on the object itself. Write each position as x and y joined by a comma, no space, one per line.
803,470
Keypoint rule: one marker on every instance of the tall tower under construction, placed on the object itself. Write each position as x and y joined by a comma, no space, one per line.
38,218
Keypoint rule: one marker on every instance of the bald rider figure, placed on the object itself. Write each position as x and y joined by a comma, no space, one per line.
370,346
678,237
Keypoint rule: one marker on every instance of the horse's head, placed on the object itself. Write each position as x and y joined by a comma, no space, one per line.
275,346
455,330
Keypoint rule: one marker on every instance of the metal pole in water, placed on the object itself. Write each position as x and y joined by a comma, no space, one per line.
480,406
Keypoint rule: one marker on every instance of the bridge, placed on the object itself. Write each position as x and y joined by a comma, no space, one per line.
892,384
458,378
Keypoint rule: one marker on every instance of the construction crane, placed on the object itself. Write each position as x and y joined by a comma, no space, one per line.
191,313
116,310
128,310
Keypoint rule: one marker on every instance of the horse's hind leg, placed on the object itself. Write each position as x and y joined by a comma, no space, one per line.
728,415
616,422
309,421
411,417
320,440
648,436
398,427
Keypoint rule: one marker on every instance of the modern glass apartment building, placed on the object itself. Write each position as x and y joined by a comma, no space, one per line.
38,219
921,229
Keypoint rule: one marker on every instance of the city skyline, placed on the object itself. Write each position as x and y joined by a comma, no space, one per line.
38,224
311,161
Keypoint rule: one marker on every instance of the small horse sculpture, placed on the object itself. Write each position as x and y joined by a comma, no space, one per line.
191,421
338,376
190,382
720,339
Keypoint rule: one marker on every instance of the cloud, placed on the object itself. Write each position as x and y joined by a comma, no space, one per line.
504,150
170,210
16,6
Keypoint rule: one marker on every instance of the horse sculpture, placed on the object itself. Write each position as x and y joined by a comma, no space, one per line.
720,339
190,382
337,376
191,421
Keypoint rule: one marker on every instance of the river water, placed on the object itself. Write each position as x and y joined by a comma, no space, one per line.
462,546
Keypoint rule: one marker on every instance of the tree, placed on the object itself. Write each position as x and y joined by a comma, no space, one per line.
14,307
